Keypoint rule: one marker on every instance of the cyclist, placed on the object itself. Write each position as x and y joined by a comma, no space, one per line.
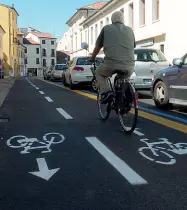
118,43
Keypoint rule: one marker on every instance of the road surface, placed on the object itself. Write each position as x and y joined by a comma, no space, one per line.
56,154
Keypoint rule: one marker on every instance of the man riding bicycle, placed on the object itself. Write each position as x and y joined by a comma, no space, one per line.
118,43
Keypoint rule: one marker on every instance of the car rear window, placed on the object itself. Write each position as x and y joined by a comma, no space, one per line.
60,67
85,61
149,55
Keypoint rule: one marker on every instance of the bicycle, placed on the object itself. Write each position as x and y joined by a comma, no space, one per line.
124,99
159,153
29,144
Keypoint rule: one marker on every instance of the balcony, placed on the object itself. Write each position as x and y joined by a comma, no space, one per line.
52,54
44,54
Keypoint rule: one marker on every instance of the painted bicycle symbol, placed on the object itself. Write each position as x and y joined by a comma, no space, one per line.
157,152
33,143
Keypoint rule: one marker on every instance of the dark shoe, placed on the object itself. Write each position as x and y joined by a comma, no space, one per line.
105,97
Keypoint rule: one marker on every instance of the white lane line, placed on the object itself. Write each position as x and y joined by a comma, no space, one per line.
138,133
64,113
41,92
48,99
126,171
37,88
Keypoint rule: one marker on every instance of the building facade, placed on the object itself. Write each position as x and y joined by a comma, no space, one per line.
40,52
75,32
8,20
154,23
2,32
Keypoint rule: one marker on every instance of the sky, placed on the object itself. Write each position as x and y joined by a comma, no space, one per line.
46,15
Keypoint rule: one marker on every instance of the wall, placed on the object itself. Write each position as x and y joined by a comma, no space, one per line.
1,43
48,48
31,56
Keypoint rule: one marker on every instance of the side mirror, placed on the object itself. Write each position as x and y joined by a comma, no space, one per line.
84,46
177,62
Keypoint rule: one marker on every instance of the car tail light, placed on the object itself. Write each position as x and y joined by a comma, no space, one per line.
77,68
170,64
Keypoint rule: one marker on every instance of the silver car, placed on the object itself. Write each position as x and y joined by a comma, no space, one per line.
58,71
147,63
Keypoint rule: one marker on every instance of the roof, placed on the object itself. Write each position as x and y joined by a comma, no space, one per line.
96,13
95,6
20,33
2,29
29,41
43,35
11,7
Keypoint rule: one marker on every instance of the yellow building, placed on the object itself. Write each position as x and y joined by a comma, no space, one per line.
8,20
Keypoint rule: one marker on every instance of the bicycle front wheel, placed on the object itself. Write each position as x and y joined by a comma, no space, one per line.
128,110
104,109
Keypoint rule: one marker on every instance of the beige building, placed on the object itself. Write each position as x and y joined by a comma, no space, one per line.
2,32
156,24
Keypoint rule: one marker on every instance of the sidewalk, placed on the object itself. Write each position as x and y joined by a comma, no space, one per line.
5,86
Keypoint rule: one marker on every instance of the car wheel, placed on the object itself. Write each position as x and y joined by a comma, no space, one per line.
94,85
161,96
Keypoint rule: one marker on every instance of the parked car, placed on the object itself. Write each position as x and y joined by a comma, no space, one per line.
79,72
57,72
169,86
147,63
47,73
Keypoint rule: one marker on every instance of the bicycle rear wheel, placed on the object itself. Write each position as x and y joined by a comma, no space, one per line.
128,109
104,109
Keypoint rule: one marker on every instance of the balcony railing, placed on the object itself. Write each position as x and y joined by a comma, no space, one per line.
52,54
44,54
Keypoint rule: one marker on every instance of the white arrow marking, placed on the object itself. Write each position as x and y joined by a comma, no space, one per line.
44,172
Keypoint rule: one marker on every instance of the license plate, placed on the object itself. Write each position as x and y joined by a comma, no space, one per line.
147,80
89,77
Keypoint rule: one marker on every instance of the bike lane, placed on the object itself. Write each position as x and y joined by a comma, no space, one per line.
163,179
72,175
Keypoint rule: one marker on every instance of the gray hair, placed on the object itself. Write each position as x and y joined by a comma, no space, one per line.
118,17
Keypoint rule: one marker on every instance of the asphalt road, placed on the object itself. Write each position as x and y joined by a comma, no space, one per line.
55,154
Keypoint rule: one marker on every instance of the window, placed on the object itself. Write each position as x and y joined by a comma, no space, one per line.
52,42
43,41
185,60
25,60
81,38
52,62
86,39
96,31
142,12
52,53
156,9
107,21
162,47
25,50
44,52
44,62
91,35
37,61
13,51
131,15
122,10
37,50
101,25
149,55
85,61
76,43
